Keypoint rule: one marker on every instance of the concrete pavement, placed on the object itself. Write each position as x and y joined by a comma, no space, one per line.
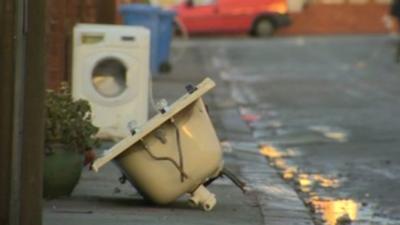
100,199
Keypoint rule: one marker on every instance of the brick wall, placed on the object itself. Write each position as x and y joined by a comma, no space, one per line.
348,18
63,15
350,1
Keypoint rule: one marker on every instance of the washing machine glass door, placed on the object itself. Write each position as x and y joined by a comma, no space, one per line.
109,77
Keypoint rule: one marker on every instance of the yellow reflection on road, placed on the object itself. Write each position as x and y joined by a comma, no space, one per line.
304,180
336,212
289,173
325,181
270,152
336,136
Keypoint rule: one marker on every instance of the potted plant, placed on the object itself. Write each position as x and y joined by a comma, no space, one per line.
69,134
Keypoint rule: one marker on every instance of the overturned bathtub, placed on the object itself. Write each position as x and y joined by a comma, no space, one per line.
174,153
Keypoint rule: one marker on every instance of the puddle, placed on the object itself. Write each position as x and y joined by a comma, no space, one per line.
269,134
276,159
292,137
232,146
332,211
299,136
289,173
249,115
270,124
348,211
271,152
333,133
336,212
239,77
304,181
326,182
243,95
322,180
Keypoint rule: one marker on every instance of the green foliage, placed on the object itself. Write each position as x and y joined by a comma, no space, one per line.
68,121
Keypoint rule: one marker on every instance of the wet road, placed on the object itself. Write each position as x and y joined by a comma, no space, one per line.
328,109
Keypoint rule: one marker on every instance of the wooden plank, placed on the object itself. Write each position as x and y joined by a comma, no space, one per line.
153,123
32,143
7,55
21,115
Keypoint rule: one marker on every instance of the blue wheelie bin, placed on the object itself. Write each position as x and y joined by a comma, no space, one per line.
160,24
164,39
145,16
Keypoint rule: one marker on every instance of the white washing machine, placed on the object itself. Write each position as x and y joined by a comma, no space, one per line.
111,71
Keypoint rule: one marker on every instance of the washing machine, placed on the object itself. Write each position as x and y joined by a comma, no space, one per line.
110,69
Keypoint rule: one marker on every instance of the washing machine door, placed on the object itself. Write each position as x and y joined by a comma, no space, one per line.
109,78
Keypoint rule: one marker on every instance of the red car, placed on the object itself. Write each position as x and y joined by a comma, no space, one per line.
257,17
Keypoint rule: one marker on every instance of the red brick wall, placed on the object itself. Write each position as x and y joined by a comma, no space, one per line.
317,19
63,15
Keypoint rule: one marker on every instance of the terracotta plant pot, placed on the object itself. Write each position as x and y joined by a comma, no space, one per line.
90,156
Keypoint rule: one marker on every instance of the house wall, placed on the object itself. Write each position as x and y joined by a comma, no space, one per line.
63,15
323,17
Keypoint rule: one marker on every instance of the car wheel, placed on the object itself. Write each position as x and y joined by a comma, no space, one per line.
263,27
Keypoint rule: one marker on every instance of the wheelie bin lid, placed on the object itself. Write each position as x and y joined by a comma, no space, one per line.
167,12
190,97
141,8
